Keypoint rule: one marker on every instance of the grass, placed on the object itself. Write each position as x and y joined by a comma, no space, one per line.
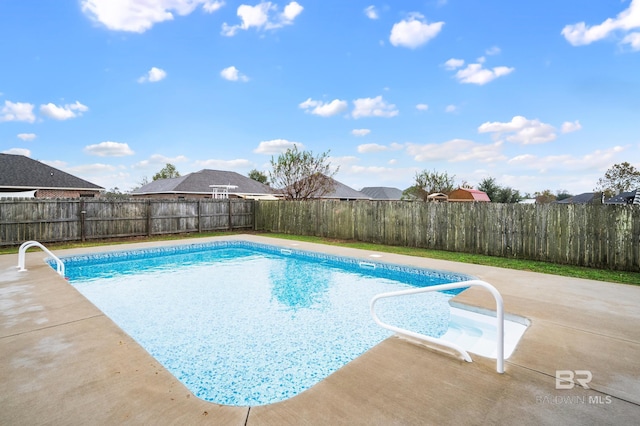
622,277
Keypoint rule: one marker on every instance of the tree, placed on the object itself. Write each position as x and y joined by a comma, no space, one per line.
114,194
490,187
544,197
427,182
563,194
620,177
258,176
499,194
167,172
301,175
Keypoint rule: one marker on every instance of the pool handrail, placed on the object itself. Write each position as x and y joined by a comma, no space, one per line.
442,342
27,245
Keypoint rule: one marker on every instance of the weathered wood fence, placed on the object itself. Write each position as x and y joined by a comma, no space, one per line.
601,236
57,220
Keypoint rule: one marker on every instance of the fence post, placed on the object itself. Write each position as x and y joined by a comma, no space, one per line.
230,217
199,215
148,218
83,212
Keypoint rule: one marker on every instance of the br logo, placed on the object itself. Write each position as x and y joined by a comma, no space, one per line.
567,379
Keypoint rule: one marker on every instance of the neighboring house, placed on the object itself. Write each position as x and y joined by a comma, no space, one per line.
24,177
466,195
632,197
585,198
382,193
344,192
206,184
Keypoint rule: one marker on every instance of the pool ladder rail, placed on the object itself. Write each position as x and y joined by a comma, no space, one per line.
27,245
421,337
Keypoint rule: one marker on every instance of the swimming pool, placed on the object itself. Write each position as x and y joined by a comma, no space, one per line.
250,324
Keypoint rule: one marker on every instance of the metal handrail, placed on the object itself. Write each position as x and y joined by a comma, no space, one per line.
451,286
27,245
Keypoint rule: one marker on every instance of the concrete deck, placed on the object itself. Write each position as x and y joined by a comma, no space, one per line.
62,361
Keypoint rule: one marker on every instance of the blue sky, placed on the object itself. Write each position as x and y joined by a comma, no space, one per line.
539,95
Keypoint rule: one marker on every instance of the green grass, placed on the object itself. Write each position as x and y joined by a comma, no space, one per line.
622,277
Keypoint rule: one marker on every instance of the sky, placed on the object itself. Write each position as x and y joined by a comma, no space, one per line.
540,95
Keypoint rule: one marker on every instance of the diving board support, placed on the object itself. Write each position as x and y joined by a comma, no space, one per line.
27,245
441,287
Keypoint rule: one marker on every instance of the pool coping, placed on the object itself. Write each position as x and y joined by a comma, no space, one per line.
63,361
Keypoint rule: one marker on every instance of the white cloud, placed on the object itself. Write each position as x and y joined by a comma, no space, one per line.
17,111
453,63
413,31
263,16
476,74
140,15
597,160
18,151
581,34
276,146
632,39
371,147
568,126
521,130
109,149
153,76
63,112
323,109
493,50
210,6
90,168
371,12
450,108
239,163
456,150
160,159
373,107
422,107
233,74
360,132
26,136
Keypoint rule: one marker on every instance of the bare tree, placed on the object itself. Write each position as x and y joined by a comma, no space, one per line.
300,175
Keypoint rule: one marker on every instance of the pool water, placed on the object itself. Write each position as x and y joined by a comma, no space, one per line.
248,324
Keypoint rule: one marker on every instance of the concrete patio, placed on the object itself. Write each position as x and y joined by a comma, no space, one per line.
63,362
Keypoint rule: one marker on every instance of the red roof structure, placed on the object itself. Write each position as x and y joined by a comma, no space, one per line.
466,194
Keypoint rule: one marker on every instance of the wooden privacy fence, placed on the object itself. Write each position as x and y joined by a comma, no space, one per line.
56,220
601,236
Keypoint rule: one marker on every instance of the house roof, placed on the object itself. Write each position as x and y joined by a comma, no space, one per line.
585,198
344,192
23,173
382,193
632,197
476,194
199,183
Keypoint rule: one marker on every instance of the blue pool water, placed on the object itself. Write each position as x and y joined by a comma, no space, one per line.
250,324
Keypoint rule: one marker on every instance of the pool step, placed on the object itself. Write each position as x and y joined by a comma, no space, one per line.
476,333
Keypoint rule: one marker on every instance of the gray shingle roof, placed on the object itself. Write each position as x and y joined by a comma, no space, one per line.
198,183
382,193
585,198
20,172
344,192
624,198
